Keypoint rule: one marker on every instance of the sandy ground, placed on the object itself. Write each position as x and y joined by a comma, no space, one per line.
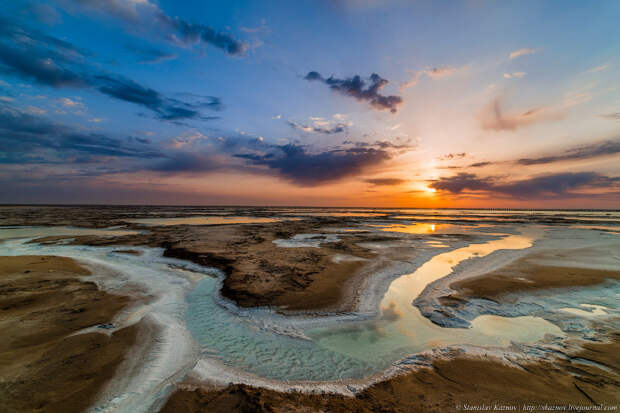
526,274
258,272
448,386
43,368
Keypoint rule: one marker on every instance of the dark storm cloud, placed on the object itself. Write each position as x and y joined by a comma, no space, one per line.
328,130
559,184
356,88
595,150
55,63
174,29
295,163
29,138
386,181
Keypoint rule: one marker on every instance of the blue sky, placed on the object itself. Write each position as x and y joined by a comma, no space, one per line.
411,104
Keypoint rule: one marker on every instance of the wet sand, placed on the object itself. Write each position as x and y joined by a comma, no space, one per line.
528,274
444,387
43,368
259,272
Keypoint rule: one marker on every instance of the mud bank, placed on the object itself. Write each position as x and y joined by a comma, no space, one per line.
44,365
444,386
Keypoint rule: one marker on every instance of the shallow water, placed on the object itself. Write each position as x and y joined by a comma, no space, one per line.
419,228
206,220
38,232
402,330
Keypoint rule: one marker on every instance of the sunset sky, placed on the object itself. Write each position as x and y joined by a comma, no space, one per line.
324,102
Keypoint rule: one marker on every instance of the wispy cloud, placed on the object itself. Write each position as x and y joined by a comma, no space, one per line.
452,156
361,90
149,15
515,75
560,185
150,55
522,52
589,151
327,129
434,73
611,116
493,117
386,181
28,137
55,63
598,68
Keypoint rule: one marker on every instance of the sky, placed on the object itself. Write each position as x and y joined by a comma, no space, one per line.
395,103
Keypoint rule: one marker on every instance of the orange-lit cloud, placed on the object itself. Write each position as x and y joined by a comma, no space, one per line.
522,52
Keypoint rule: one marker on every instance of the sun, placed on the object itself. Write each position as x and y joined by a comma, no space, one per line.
431,190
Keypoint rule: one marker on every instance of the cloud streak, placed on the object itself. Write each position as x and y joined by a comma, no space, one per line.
28,138
55,63
493,117
326,129
295,163
610,147
522,52
361,90
175,29
551,185
386,181
434,73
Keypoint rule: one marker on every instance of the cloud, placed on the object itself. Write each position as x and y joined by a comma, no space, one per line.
165,108
27,137
187,162
55,63
187,139
295,163
439,72
514,75
610,147
598,68
450,156
522,52
386,181
326,129
551,185
434,73
460,182
150,54
67,102
493,117
44,13
480,164
611,116
356,87
144,13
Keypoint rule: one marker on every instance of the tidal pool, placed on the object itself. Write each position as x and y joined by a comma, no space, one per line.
418,228
402,330
38,232
206,220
